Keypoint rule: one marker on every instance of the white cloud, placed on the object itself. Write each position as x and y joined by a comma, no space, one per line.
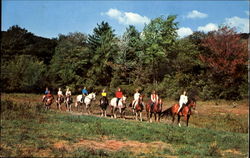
184,31
241,24
127,18
208,27
196,14
113,13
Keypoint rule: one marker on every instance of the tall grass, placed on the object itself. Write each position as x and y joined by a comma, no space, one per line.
30,130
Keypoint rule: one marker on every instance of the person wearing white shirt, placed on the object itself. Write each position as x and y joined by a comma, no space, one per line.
59,93
183,100
136,98
68,92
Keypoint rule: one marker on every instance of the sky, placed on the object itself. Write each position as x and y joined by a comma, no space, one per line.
49,18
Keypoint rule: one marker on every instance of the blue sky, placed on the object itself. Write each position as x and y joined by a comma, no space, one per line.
50,18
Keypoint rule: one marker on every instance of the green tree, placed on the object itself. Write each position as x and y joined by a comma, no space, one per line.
71,61
159,35
22,74
103,47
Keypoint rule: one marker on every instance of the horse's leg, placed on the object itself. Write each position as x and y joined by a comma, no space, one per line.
179,118
173,118
136,116
123,114
140,116
155,115
112,111
150,117
105,113
87,109
115,110
188,116
102,112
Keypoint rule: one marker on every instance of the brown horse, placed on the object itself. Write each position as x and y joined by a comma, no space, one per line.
138,108
186,111
48,101
155,109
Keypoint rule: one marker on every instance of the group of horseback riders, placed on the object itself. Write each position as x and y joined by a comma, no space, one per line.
118,94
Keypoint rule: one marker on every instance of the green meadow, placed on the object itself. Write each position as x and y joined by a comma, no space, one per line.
27,130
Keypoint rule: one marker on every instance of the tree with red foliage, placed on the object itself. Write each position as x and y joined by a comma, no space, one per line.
226,56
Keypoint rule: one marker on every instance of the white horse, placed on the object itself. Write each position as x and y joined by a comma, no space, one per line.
87,101
121,106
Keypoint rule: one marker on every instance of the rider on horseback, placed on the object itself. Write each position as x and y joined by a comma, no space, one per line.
118,95
136,98
45,93
59,94
68,94
48,96
84,93
183,100
104,95
154,98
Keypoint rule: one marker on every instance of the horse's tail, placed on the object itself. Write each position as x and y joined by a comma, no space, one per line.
167,112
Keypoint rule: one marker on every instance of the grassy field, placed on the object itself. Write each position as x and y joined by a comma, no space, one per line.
27,130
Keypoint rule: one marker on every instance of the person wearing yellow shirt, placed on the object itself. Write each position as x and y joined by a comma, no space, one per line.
104,94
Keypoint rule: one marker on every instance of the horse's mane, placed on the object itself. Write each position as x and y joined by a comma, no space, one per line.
190,99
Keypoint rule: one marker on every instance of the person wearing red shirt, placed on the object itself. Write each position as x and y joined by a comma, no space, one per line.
118,95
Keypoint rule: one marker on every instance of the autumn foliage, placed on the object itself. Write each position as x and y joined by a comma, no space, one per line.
228,52
226,58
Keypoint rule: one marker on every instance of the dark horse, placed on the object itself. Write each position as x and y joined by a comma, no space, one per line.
68,102
155,109
186,111
104,104
59,101
138,108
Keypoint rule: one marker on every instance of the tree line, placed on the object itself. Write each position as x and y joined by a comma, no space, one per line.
209,65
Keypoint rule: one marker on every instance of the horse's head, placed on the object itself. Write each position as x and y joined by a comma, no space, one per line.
92,95
123,99
192,103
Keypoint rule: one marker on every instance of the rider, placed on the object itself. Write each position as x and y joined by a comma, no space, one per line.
104,95
136,98
84,93
68,94
118,95
154,98
46,90
183,100
45,93
59,93
49,95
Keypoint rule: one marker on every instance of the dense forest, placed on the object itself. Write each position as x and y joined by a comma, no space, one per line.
209,65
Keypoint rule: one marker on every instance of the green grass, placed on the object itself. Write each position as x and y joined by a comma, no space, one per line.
26,130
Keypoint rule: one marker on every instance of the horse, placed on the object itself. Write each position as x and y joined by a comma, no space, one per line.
68,102
155,109
138,108
186,111
59,101
104,104
87,101
47,102
121,106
